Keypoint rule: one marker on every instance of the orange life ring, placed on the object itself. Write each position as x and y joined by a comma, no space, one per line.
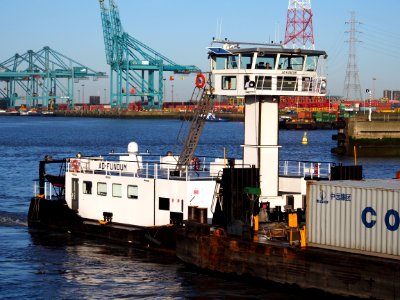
75,166
196,163
200,81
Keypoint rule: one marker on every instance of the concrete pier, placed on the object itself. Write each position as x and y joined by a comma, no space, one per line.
361,136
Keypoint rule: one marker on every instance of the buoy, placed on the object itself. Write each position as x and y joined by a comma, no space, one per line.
304,141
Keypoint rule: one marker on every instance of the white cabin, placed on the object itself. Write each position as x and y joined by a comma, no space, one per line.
133,191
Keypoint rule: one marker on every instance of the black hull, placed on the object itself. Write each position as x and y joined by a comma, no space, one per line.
56,215
334,272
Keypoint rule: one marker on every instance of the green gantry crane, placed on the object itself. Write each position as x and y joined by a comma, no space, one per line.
134,65
42,77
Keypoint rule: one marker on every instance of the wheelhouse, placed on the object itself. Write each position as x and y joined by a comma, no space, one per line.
268,70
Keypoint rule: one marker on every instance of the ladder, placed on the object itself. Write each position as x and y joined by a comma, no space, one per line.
196,128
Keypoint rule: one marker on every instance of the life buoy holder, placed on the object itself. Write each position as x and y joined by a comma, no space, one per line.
196,163
75,166
200,81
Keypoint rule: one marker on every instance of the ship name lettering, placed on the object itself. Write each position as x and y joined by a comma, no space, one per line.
391,218
113,166
289,72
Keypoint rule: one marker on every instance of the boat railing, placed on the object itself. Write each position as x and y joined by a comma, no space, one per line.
291,83
48,190
306,169
206,168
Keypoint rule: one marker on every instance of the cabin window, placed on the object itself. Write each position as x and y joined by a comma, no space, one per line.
311,63
246,61
287,83
307,84
265,62
220,62
87,187
132,191
263,82
287,62
229,82
117,190
102,188
163,203
233,62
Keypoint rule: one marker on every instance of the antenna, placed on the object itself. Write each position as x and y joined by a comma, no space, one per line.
277,37
299,29
352,87
219,29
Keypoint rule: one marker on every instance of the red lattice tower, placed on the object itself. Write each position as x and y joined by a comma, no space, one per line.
299,28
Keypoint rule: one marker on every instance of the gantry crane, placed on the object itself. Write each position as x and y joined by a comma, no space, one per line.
42,77
133,65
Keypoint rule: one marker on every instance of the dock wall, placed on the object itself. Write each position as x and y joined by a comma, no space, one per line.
142,114
379,137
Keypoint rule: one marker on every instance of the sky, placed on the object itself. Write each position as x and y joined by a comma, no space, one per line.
182,29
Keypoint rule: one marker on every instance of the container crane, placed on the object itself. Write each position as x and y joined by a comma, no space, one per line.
134,65
42,77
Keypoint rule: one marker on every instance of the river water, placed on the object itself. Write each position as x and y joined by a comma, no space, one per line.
46,265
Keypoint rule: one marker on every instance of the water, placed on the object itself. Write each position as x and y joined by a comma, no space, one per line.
45,265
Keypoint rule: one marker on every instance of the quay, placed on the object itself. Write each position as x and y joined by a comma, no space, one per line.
147,114
361,135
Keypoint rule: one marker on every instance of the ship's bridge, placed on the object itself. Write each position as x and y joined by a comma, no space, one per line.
267,70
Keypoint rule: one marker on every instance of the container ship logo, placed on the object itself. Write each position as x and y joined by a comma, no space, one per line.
322,199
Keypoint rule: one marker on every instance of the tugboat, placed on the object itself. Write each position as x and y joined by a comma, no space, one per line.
131,197
336,233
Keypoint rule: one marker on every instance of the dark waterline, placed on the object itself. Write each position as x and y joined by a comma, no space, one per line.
43,265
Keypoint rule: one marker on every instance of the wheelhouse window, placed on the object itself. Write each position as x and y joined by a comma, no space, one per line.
246,61
233,62
287,62
265,62
311,63
102,188
287,83
87,187
220,62
132,192
307,84
117,190
229,82
263,82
